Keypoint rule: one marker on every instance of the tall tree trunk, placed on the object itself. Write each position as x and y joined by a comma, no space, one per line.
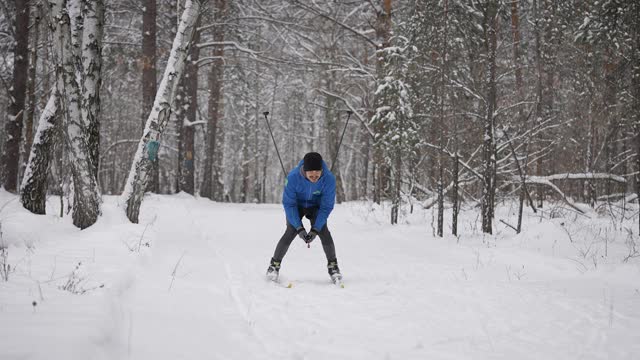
456,190
15,114
610,113
212,187
244,196
258,178
186,126
383,36
589,187
635,90
488,140
31,101
86,200
539,86
397,183
149,83
92,76
443,76
160,114
515,31
33,191
365,139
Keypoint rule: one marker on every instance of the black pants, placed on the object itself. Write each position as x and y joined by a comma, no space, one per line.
290,234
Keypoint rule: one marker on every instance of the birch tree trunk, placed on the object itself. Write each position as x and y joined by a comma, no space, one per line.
13,124
159,117
86,201
92,76
33,191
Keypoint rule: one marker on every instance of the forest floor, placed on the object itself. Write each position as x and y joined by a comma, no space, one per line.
188,283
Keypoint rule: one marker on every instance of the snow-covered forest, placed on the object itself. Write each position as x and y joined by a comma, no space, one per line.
456,102
500,139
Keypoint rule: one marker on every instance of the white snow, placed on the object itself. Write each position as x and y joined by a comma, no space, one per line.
188,283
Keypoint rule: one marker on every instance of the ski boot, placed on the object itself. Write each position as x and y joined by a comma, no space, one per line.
273,271
334,272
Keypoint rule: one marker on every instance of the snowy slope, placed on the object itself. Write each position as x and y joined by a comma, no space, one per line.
188,283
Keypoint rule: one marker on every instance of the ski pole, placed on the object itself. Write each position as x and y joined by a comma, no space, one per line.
274,143
335,158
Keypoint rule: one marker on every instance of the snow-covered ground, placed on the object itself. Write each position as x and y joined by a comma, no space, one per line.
188,283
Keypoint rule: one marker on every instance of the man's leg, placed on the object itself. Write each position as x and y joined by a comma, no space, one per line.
327,243
284,243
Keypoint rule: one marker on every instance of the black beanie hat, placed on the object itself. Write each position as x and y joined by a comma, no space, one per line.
312,161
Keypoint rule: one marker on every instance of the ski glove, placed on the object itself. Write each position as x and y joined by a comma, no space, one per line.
312,235
302,233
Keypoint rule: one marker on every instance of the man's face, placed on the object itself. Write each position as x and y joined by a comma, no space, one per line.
313,175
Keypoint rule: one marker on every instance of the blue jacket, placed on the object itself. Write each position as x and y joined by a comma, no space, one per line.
300,192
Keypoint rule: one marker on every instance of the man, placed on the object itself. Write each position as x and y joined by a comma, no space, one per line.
309,190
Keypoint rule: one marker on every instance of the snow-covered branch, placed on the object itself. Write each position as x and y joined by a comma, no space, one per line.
359,116
541,180
335,21
581,176
227,43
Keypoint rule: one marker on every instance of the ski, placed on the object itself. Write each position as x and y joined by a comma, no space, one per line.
280,282
337,280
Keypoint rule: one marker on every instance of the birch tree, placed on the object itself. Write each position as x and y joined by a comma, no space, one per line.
33,190
158,119
86,199
93,15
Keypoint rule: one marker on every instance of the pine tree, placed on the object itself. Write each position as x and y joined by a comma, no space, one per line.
396,134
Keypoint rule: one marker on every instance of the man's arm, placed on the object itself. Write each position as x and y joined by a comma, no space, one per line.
327,200
290,203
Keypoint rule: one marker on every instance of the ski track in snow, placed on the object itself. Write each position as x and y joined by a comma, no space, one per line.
198,290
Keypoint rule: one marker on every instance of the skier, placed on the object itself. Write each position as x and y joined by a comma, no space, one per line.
309,190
